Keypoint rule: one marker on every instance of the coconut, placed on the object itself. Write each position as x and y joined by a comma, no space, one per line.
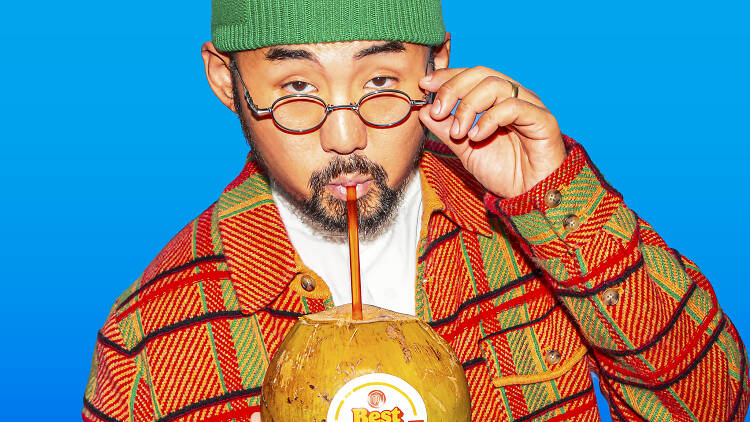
388,367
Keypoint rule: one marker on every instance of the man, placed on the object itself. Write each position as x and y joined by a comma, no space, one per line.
501,234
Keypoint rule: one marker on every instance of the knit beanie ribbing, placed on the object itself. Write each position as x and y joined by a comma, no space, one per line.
250,24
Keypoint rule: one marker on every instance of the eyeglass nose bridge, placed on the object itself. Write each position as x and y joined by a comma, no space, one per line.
329,108
350,106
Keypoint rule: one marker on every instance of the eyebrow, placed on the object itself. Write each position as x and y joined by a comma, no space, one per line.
281,53
389,47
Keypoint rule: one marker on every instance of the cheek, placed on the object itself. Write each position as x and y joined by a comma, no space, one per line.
290,158
399,146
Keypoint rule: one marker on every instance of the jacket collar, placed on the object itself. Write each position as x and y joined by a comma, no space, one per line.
452,189
259,254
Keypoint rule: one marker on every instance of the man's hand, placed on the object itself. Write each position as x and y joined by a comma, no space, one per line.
255,417
512,147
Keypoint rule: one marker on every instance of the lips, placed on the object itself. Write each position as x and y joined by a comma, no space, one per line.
337,187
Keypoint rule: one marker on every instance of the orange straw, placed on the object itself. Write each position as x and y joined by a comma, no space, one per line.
351,212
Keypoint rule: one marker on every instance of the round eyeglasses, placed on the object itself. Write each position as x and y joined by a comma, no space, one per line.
302,113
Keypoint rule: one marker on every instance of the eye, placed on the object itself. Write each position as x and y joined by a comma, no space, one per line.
298,87
381,82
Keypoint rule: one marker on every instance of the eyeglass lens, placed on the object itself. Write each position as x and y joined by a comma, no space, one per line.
299,113
305,113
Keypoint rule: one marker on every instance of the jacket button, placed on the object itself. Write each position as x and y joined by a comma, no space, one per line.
611,296
571,222
307,282
552,198
552,357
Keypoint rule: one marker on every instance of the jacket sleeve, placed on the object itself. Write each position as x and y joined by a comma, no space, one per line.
111,382
660,343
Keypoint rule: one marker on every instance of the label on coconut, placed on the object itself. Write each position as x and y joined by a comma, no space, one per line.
377,398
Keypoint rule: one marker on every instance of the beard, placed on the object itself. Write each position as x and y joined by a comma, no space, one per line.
327,214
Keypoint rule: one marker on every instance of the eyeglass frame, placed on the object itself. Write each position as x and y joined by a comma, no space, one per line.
428,99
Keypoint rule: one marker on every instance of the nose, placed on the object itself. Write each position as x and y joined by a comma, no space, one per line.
343,132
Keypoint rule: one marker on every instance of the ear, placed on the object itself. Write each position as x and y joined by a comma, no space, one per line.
443,53
218,74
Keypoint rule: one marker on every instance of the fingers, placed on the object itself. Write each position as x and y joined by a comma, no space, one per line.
255,417
441,129
483,96
478,89
437,78
451,85
511,112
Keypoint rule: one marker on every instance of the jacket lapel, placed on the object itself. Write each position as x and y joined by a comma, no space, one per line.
257,249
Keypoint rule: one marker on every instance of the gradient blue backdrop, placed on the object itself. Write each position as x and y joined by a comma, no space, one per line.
112,141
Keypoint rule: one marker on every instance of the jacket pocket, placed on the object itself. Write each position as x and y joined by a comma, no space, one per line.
538,350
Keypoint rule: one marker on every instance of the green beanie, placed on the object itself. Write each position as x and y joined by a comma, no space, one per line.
250,24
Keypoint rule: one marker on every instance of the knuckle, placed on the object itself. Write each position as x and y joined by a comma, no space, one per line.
484,120
494,115
491,79
495,81
552,120
508,102
440,73
464,107
474,105
518,106
512,105
446,89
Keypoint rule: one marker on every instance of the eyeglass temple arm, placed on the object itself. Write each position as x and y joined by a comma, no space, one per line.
430,96
248,98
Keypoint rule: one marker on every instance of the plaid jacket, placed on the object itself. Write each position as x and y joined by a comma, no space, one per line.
533,296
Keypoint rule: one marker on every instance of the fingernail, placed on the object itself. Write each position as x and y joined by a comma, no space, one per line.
436,107
427,78
455,128
473,131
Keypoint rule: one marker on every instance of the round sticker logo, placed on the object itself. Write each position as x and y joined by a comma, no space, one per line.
377,397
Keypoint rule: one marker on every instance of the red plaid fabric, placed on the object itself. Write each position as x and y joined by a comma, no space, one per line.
533,296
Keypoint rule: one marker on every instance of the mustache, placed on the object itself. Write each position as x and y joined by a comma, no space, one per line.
340,165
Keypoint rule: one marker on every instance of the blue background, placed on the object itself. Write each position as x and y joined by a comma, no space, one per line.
112,141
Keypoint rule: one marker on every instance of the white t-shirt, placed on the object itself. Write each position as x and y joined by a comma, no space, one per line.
388,263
